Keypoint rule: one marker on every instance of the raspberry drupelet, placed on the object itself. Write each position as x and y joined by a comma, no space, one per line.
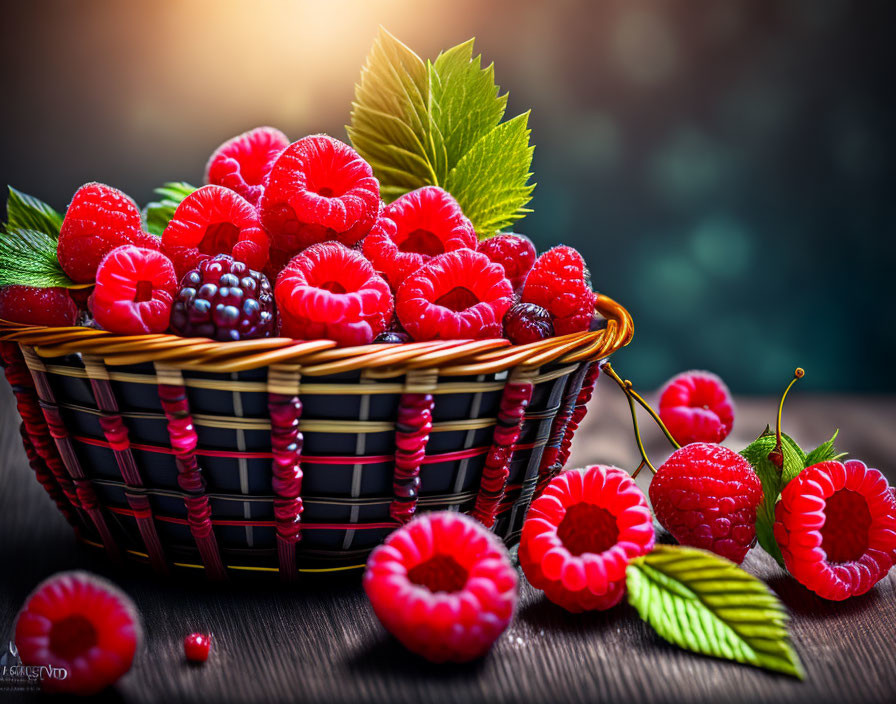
243,163
696,406
580,535
443,585
559,283
415,228
836,527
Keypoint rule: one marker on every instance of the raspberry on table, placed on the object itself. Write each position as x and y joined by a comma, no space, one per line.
214,220
443,585
836,527
456,295
82,623
514,252
580,535
197,647
706,496
98,219
52,306
332,292
696,406
223,299
319,189
415,228
243,163
527,322
558,282
134,291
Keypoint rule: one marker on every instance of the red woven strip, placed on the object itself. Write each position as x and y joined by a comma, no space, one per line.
578,414
47,480
551,452
286,444
514,402
411,436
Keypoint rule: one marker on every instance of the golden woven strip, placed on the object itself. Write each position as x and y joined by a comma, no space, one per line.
320,357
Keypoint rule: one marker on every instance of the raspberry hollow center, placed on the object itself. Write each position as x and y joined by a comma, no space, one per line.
332,286
844,535
422,242
143,292
72,636
440,573
588,528
219,237
458,299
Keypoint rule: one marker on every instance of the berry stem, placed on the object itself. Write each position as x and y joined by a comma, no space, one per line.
777,455
629,391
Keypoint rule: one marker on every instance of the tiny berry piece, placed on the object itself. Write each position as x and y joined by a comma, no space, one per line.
443,585
214,220
696,406
514,252
243,163
456,295
37,306
197,647
332,292
580,535
319,189
415,228
836,527
706,496
82,623
392,337
527,322
559,283
98,219
134,291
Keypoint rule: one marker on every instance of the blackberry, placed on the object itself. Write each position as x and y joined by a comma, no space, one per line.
225,300
527,322
392,336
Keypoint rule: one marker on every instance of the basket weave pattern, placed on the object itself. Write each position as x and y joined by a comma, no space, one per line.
283,456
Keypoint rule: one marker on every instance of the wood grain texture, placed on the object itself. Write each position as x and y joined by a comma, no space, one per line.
320,642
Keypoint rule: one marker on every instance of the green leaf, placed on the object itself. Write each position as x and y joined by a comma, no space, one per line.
824,452
158,213
28,258
28,213
439,123
706,604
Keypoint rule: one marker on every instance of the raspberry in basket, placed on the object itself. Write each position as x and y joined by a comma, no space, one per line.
515,253
836,527
99,219
706,496
134,291
559,283
332,292
37,306
527,322
223,299
443,585
319,189
214,220
243,163
696,406
580,535
456,295
415,228
83,624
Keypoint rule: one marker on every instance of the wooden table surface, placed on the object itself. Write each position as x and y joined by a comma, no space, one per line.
321,642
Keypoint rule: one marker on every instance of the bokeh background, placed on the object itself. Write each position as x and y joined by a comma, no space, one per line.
726,166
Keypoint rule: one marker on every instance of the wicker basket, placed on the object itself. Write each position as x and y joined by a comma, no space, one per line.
283,456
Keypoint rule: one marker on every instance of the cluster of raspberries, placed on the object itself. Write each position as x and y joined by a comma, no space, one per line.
294,239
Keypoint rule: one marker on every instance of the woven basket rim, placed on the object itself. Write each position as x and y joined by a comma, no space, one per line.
319,357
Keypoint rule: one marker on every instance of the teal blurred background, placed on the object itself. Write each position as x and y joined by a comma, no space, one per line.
725,166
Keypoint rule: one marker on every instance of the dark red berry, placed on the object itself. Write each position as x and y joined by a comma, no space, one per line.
392,337
37,306
197,647
527,322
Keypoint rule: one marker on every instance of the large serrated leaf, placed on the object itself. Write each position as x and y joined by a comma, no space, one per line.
706,604
24,212
158,214
824,452
28,258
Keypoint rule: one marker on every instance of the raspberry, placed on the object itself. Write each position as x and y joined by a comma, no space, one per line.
527,322
197,647
415,228
84,624
37,306
330,291
580,535
224,300
443,585
836,527
319,189
99,219
696,406
706,496
515,253
558,283
214,220
243,163
134,291
456,295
